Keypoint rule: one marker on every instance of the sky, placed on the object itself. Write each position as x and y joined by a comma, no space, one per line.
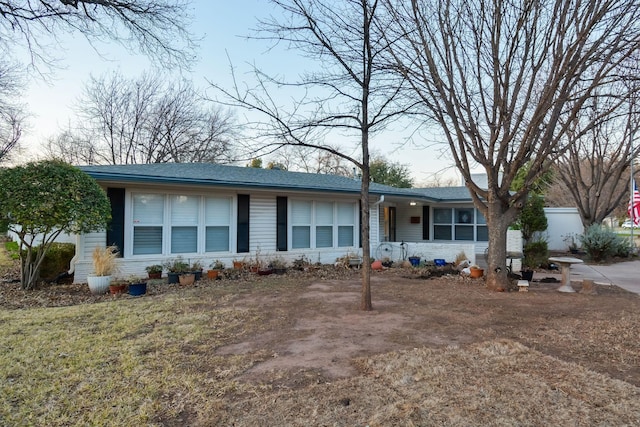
222,27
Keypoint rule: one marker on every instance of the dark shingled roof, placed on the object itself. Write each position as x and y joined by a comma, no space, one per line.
237,176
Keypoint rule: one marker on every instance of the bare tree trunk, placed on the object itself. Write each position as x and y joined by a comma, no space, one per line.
366,240
496,275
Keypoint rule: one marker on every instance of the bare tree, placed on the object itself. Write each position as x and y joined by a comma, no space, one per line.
12,113
505,82
594,171
354,93
313,160
157,28
71,147
145,120
438,179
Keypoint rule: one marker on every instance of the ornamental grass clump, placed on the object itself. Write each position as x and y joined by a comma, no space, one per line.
104,260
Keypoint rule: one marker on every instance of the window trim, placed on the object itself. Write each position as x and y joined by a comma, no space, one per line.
167,225
453,224
314,224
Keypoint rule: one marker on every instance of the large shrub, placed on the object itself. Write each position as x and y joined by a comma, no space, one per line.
601,242
532,219
41,200
536,253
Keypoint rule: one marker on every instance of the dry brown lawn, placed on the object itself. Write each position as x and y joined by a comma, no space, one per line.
295,350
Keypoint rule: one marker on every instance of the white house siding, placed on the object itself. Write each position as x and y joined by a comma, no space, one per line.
514,244
375,227
262,236
561,223
405,230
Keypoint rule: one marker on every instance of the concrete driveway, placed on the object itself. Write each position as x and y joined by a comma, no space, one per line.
625,275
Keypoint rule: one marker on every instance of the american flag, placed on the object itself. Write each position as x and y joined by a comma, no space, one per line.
634,205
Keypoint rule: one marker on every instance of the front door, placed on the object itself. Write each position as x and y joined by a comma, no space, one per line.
390,224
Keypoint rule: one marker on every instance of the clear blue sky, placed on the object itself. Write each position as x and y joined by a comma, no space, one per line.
223,25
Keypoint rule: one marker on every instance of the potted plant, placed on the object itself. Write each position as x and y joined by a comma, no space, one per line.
137,286
196,269
104,265
118,287
414,260
476,272
174,268
239,264
154,271
187,278
214,269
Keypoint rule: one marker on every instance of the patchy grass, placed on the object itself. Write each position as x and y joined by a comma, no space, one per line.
127,362
11,252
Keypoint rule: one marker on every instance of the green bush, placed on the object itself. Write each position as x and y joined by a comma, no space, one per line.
536,253
601,243
57,260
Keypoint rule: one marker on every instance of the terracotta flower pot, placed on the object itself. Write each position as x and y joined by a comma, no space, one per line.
117,288
476,273
213,274
187,279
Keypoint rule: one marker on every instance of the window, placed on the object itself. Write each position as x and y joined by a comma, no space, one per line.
188,224
482,232
148,219
322,224
442,219
301,224
217,223
461,224
464,223
184,224
346,224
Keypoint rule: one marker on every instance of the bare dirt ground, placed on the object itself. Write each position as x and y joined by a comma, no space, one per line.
325,330
315,329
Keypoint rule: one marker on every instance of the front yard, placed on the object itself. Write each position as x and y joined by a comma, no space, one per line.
295,350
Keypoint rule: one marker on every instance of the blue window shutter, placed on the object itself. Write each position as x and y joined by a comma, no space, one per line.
281,223
115,229
243,223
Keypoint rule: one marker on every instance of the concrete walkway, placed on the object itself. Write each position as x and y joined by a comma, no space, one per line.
625,275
